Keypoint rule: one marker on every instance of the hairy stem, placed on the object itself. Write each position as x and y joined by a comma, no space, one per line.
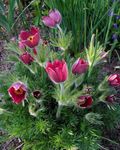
59,102
58,110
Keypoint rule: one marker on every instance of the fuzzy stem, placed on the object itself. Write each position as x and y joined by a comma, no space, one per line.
59,102
60,29
58,110
39,63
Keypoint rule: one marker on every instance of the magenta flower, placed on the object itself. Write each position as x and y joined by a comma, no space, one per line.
110,98
84,101
57,71
114,80
18,92
30,38
54,18
26,58
80,66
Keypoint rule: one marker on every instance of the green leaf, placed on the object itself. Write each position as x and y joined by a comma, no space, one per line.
2,8
94,118
3,111
11,12
4,22
13,58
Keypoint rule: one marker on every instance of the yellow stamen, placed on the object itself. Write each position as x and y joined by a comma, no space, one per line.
19,91
30,38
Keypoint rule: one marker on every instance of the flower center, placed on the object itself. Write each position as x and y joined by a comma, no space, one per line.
19,91
30,38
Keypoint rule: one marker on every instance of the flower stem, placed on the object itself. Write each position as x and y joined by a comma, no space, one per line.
58,110
60,101
59,29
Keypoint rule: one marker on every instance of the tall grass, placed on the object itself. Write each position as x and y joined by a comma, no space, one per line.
7,20
84,18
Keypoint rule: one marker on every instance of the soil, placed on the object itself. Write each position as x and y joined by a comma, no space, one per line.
4,66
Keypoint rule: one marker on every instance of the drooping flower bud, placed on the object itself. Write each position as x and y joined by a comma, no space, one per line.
114,80
84,101
26,58
53,19
80,66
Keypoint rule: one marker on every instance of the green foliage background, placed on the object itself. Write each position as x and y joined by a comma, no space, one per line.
71,130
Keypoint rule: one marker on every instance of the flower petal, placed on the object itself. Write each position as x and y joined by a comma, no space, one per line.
55,15
24,35
49,22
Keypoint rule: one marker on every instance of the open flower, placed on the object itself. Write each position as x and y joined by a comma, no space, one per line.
80,66
57,71
54,18
84,101
26,58
17,92
114,80
30,38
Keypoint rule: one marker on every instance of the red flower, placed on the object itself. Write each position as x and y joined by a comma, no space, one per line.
110,98
52,19
26,58
85,101
57,71
30,38
17,92
114,80
80,66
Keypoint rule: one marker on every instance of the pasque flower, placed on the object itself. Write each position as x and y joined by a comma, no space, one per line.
37,94
26,58
30,38
85,101
114,80
80,66
110,98
54,18
17,92
57,71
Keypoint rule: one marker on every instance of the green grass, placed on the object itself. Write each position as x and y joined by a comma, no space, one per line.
84,18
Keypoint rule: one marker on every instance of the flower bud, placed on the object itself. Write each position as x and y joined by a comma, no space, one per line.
80,66
114,80
85,101
26,58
